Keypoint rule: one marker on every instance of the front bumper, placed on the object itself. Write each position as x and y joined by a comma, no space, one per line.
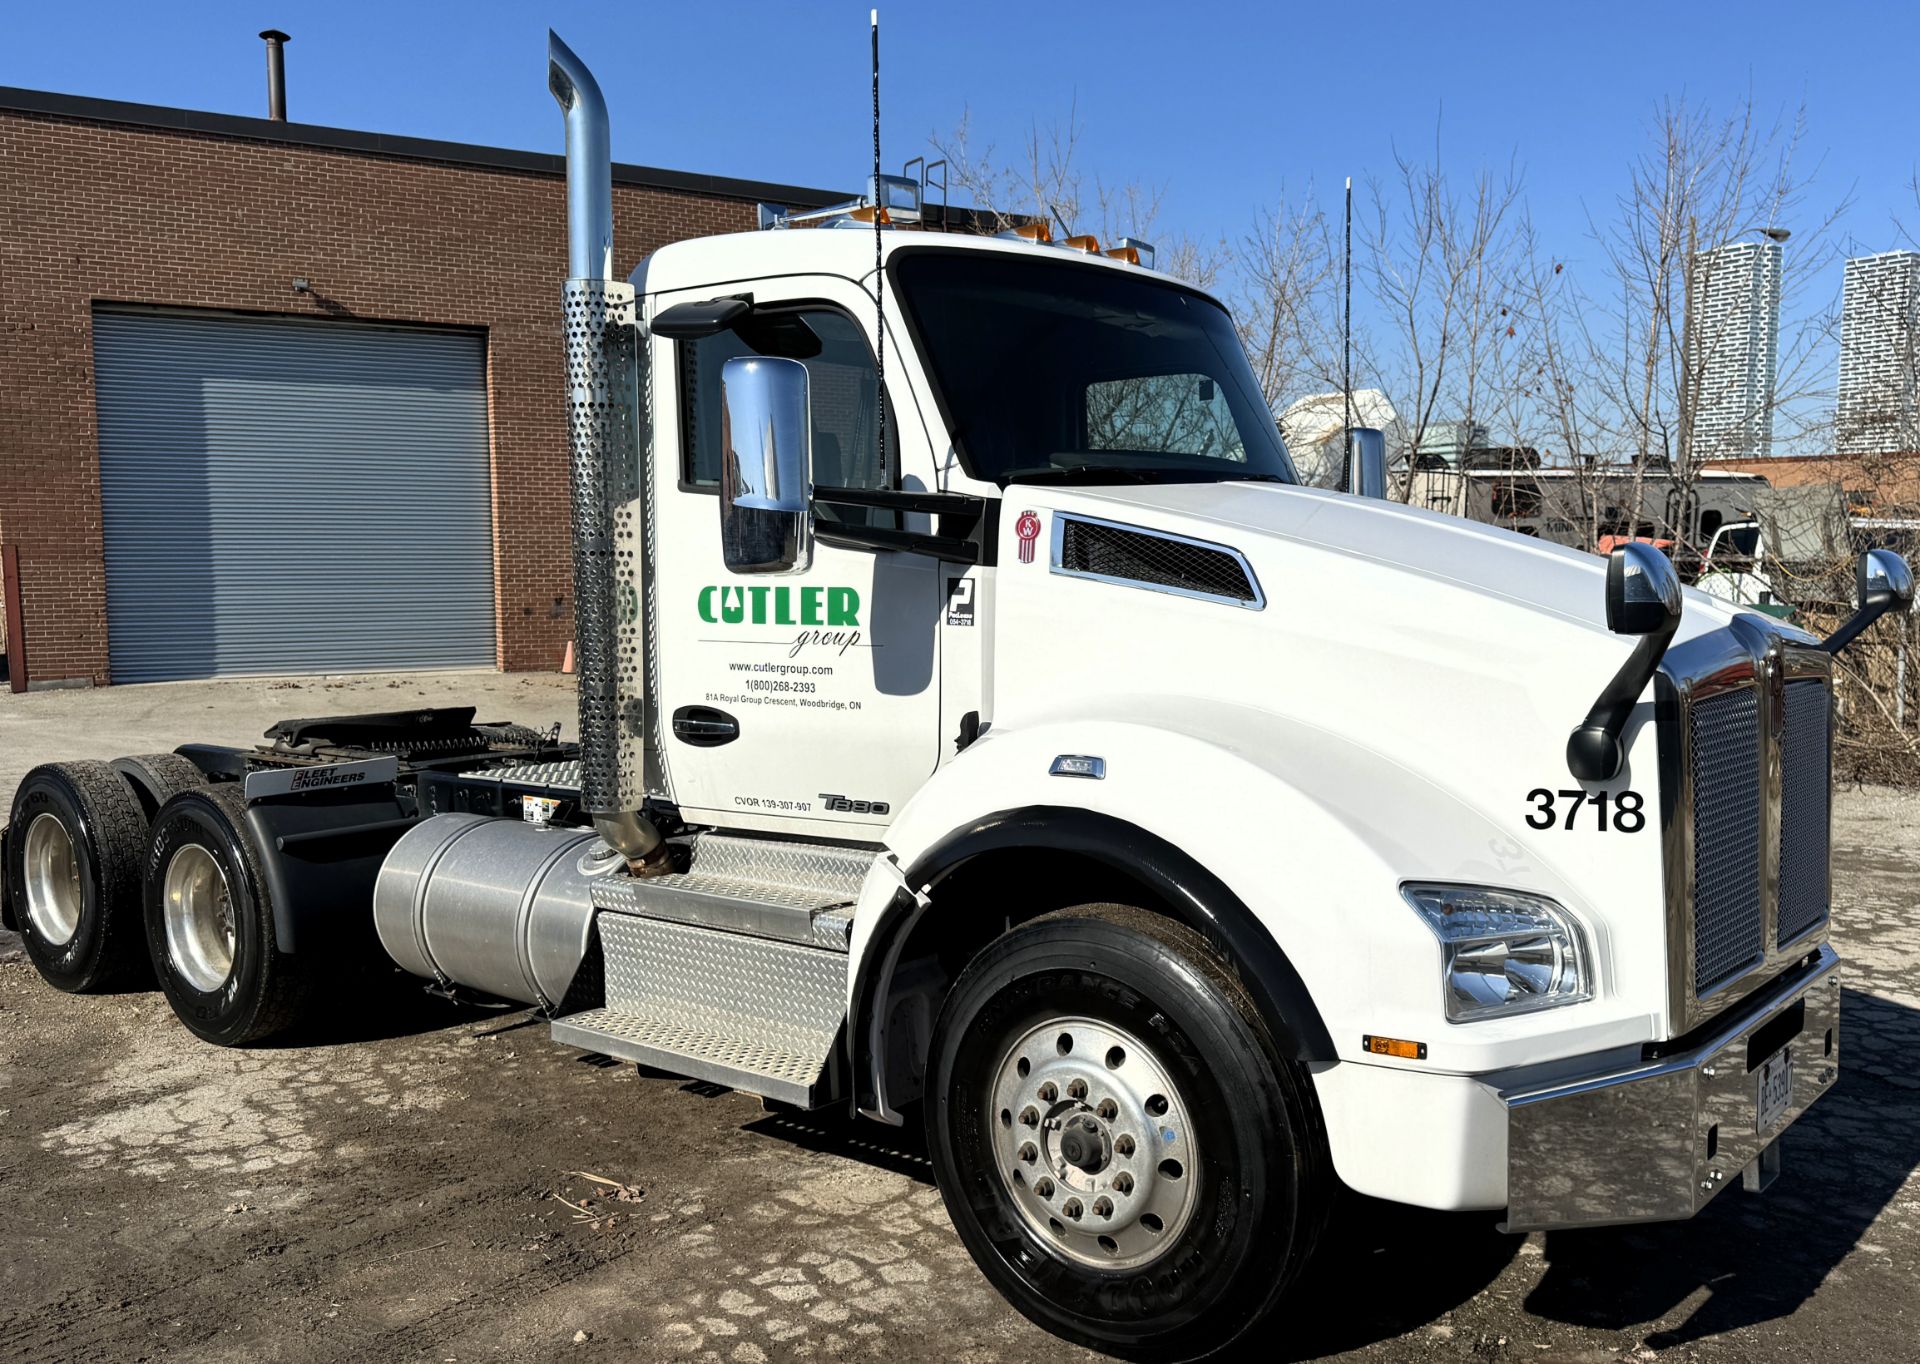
1655,1142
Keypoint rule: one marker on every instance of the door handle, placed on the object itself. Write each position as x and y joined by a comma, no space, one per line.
704,727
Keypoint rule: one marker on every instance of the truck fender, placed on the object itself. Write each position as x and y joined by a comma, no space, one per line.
319,854
1198,898
1283,842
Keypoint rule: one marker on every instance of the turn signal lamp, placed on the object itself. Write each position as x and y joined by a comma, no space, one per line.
1394,1046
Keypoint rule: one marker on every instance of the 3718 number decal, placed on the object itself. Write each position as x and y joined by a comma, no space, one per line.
1622,811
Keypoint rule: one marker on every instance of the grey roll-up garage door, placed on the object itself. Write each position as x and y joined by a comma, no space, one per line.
289,496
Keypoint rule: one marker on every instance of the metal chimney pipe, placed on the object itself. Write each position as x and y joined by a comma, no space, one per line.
276,73
603,355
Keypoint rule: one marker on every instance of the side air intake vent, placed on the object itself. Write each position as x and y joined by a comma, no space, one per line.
1153,559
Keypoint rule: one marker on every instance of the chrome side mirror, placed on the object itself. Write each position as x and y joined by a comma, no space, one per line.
1643,591
1643,599
1367,474
1882,581
766,463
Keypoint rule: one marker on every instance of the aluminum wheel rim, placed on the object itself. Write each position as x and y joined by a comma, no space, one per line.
54,894
1093,1144
199,913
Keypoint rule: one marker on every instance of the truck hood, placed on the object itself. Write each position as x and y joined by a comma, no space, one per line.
1533,574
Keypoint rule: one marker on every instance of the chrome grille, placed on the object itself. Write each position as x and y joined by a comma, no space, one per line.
1804,792
1729,929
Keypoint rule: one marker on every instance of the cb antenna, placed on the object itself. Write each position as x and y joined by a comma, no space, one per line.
879,278
1346,344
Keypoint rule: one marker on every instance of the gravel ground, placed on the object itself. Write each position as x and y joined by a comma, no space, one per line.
427,1183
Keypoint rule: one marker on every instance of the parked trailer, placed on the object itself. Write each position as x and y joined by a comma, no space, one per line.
1053,771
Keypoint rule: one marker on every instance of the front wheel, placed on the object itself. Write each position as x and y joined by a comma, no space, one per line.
1120,1145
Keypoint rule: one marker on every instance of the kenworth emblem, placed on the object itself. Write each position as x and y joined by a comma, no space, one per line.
1028,529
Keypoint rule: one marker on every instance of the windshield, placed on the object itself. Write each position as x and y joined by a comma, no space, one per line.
1051,372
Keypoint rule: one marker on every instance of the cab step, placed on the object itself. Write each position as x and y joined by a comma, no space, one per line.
734,971
768,888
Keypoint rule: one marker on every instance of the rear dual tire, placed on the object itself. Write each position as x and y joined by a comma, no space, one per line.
210,925
75,846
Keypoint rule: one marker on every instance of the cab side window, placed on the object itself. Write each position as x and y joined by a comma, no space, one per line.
841,384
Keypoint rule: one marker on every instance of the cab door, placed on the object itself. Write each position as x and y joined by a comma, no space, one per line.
807,701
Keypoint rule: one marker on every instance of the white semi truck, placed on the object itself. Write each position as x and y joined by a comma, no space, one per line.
1031,757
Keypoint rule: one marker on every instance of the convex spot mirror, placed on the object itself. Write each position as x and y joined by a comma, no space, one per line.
1643,591
766,462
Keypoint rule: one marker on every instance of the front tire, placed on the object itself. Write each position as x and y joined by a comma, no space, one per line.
209,919
1119,1143
73,874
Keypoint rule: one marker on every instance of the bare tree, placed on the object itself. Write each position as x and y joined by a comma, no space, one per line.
1045,182
1438,262
1287,296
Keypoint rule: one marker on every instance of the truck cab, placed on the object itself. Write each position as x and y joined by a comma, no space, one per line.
981,726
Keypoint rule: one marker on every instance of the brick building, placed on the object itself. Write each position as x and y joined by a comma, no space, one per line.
263,305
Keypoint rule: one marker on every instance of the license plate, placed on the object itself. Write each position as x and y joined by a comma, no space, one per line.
1775,1095
538,809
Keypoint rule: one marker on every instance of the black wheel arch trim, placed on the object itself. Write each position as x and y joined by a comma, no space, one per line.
1197,897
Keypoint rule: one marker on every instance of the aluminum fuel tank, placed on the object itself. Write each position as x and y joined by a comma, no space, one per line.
497,905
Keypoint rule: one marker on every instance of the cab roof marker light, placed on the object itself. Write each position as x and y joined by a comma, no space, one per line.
1085,242
1037,231
1142,251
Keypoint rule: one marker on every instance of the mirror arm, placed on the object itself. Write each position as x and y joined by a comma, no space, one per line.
1853,626
946,548
936,504
1593,749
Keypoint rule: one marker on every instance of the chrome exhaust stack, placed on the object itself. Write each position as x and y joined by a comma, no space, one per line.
605,419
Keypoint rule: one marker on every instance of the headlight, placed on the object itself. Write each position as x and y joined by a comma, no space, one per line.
1503,952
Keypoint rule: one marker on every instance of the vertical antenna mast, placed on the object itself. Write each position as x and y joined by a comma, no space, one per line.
879,279
1346,342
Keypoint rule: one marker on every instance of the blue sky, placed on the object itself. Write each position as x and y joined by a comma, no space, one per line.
1222,105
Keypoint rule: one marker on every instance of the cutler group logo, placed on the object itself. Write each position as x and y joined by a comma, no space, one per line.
1028,529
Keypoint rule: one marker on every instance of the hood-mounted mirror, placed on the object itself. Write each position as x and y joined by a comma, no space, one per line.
1882,581
1643,599
1367,473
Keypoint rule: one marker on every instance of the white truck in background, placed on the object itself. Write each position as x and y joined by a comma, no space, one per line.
1034,759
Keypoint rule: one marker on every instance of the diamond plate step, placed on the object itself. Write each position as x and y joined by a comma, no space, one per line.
747,1012
791,892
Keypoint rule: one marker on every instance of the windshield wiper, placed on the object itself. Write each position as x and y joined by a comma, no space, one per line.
1079,473
1121,473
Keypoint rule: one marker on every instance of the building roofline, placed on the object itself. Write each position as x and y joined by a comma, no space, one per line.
163,117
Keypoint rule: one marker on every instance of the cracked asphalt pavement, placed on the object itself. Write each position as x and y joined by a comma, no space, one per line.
427,1182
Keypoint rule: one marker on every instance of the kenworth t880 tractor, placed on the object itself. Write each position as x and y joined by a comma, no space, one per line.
1000,738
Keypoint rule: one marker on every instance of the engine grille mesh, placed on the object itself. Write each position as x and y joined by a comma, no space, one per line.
1153,560
1804,784
1728,925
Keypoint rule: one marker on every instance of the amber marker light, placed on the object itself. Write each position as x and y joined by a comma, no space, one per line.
1394,1046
